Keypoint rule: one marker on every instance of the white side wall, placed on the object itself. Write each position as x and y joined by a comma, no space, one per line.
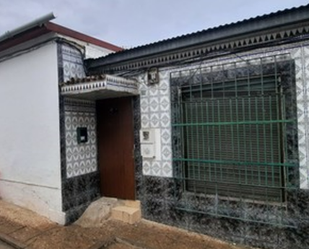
30,172
91,50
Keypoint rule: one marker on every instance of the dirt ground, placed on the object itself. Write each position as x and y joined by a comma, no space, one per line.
37,232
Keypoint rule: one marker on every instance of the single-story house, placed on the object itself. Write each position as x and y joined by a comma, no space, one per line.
219,129
209,130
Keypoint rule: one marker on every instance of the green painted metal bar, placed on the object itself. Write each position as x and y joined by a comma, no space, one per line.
245,135
240,184
235,162
236,123
271,140
238,142
213,139
220,134
256,111
181,117
232,128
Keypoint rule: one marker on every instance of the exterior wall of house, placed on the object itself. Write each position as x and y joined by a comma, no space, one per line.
160,192
80,176
81,158
90,50
30,138
156,114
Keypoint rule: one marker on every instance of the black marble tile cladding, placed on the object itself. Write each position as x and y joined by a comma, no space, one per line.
78,192
157,196
137,147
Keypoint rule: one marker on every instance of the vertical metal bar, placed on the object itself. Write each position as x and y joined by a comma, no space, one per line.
271,141
183,119
264,126
219,139
213,142
238,140
246,139
202,136
232,127
285,142
197,140
257,139
208,136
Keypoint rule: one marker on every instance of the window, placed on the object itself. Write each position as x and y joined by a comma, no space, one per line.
234,131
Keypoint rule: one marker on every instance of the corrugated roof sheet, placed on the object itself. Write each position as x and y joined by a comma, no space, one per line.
251,25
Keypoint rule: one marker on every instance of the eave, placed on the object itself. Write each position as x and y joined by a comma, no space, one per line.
99,87
266,29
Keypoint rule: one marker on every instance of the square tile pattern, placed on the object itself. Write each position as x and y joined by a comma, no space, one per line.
301,58
81,158
155,113
73,65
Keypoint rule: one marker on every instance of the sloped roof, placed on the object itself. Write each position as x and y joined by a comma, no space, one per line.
39,28
277,20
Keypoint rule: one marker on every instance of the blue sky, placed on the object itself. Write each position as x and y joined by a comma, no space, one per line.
129,23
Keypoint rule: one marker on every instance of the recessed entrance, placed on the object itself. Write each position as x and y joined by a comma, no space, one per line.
116,147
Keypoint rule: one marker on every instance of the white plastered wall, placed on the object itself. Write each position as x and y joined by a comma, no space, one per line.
30,172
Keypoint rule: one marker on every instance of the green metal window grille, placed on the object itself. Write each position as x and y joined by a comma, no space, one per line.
232,139
233,129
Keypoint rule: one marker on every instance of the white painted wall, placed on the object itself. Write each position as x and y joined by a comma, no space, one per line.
30,172
90,50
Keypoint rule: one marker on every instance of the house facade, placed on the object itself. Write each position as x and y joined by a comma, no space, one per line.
209,131
216,140
34,59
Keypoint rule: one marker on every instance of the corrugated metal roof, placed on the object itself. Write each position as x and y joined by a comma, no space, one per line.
273,20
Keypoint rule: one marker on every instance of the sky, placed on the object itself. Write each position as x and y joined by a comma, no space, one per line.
130,23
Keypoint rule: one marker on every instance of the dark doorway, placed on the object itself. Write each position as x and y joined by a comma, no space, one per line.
116,147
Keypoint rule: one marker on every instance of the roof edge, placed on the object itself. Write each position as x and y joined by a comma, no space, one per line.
80,36
257,24
37,22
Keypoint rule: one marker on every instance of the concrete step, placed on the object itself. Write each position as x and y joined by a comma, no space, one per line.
105,208
97,213
126,214
129,203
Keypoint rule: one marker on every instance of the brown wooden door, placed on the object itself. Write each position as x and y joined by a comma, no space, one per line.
115,147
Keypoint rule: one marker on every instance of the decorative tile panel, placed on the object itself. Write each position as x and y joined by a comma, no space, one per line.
144,105
81,158
73,65
155,113
301,57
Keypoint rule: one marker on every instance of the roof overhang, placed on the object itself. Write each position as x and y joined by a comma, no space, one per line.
42,26
99,87
261,30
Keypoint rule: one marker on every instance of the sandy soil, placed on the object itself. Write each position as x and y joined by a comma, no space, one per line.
38,232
